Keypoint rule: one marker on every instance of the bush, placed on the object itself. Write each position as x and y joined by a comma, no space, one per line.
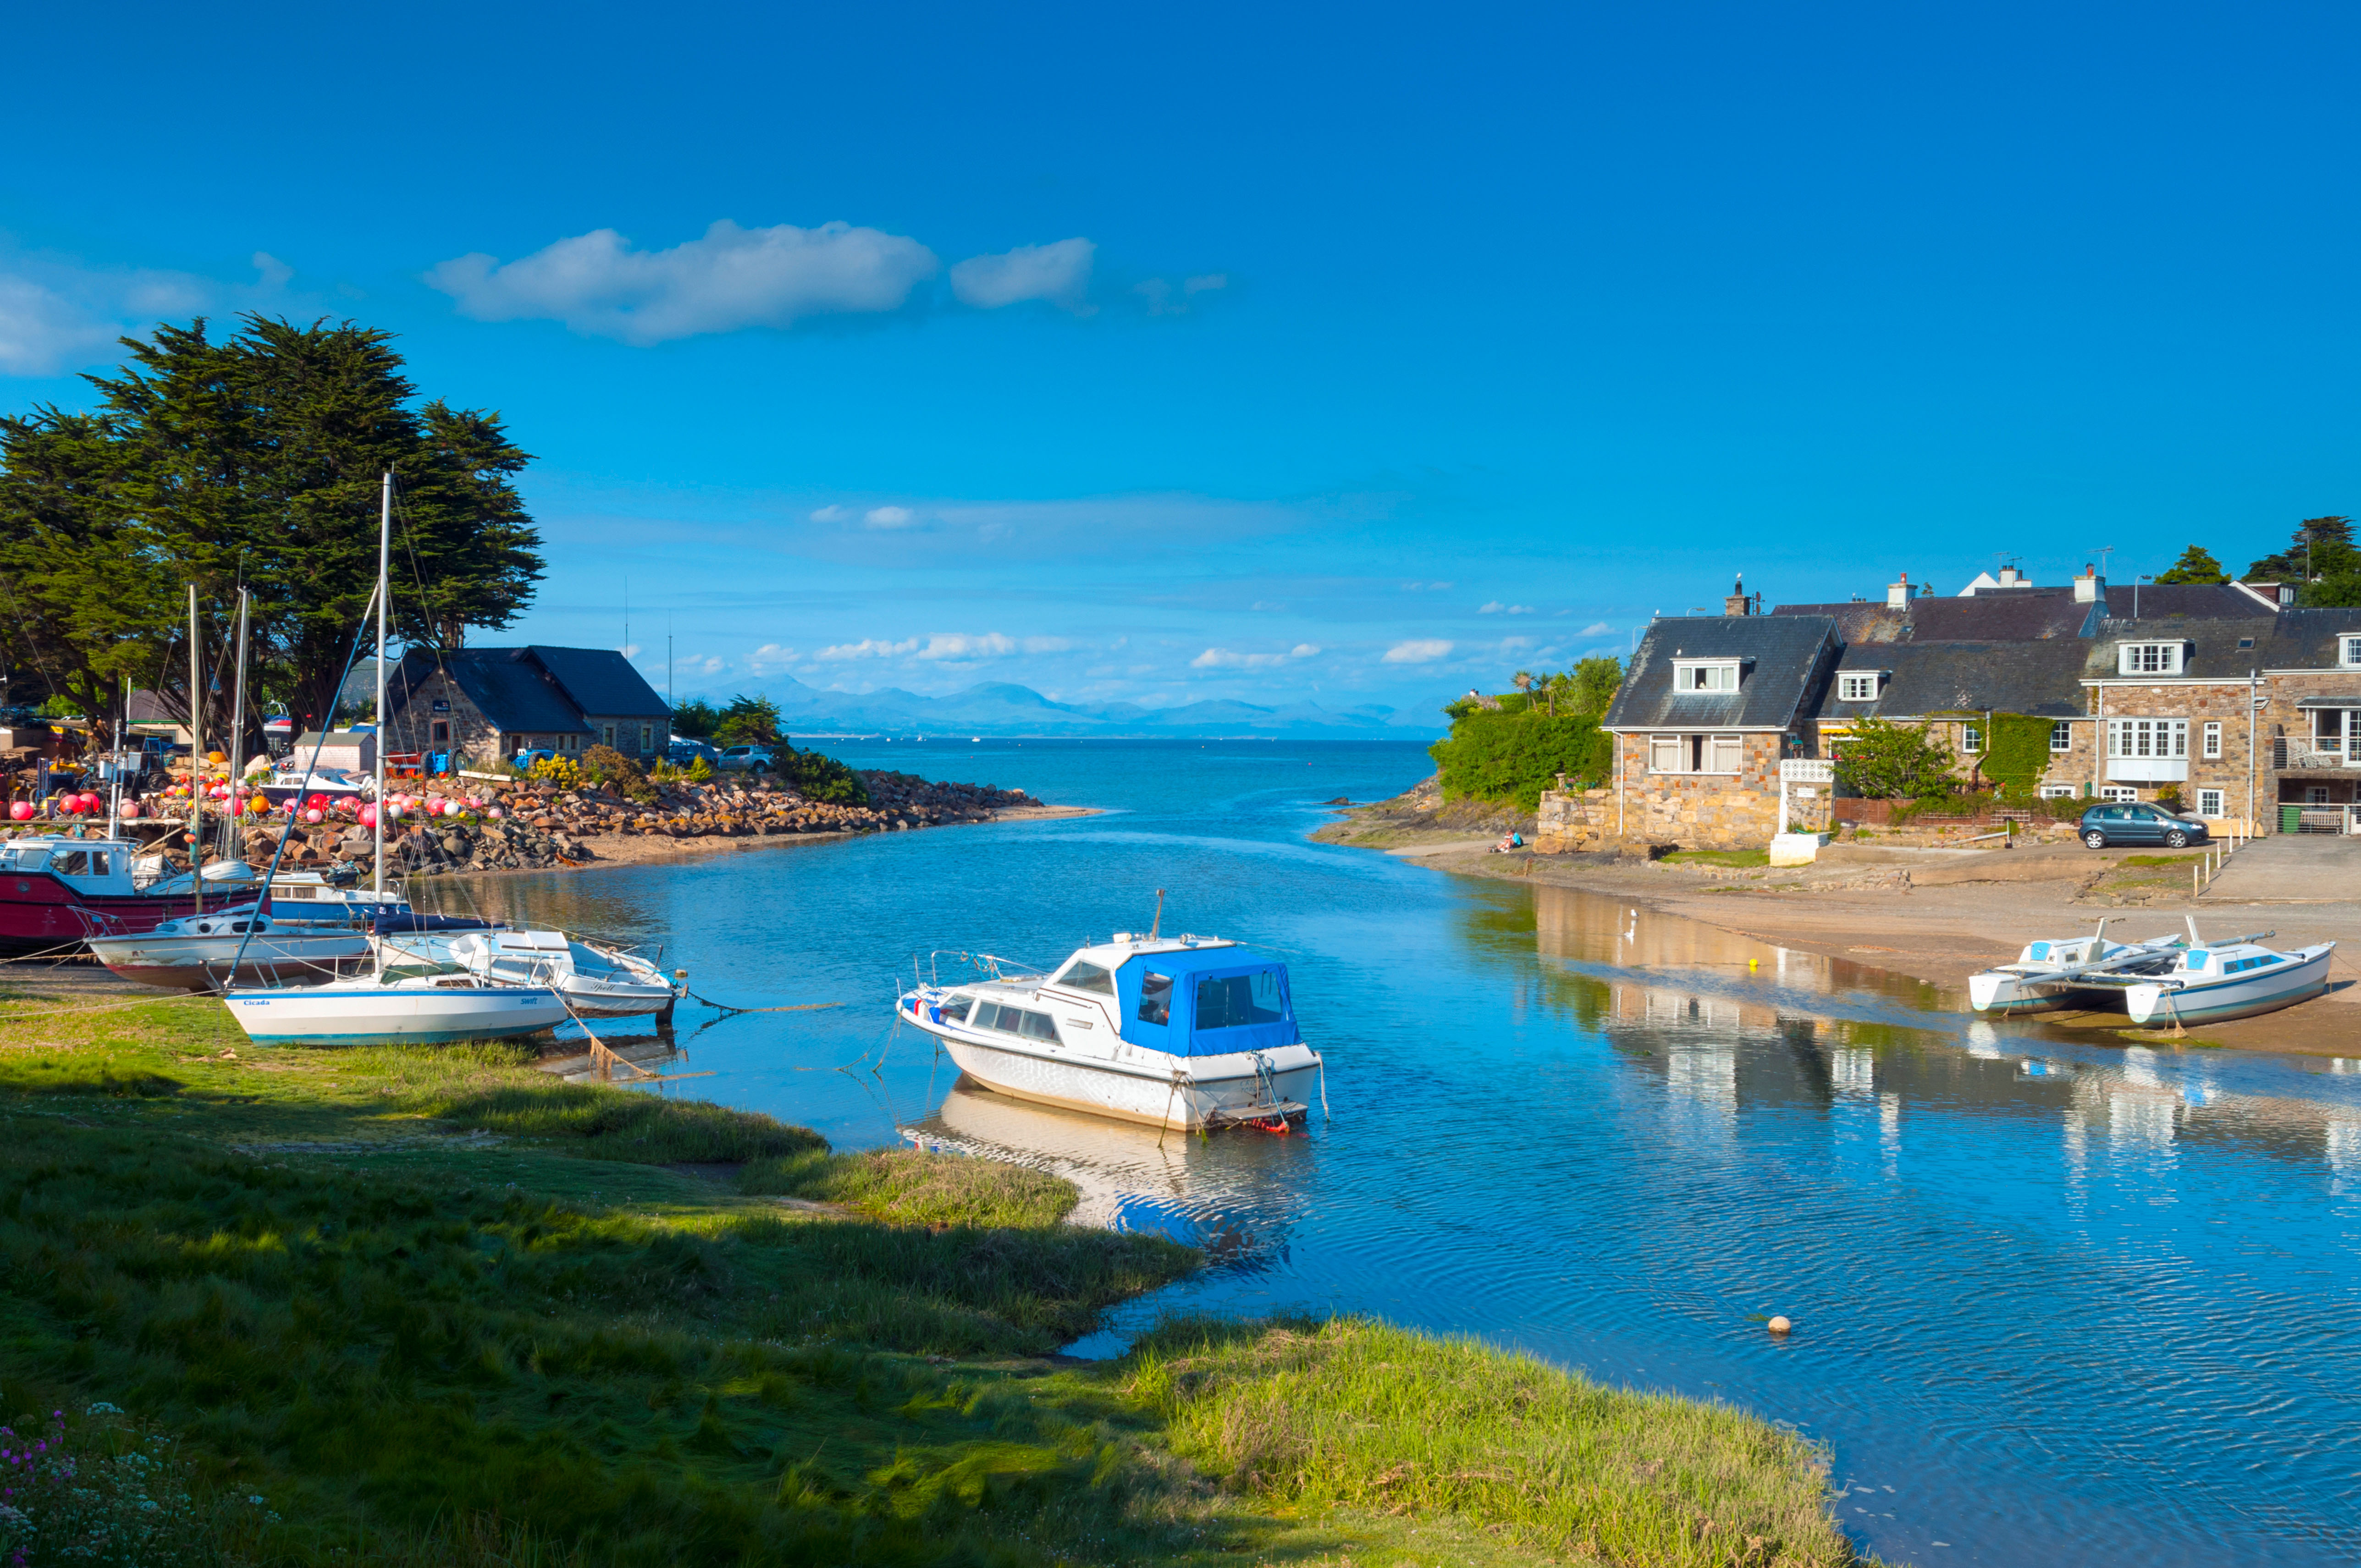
700,769
1881,759
563,772
694,719
605,765
823,778
1514,756
748,721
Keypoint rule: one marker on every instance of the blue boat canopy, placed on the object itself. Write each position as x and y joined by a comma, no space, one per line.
1205,1001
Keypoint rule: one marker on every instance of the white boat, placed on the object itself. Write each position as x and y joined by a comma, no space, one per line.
2211,982
595,982
194,952
1178,1032
2048,975
397,1005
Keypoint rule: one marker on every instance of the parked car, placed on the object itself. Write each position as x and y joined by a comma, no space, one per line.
2138,822
746,759
684,752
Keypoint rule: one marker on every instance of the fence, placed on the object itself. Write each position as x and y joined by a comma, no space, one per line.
2320,818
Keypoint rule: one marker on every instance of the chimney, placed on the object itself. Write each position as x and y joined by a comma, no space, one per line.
1897,595
2087,588
1736,603
2011,577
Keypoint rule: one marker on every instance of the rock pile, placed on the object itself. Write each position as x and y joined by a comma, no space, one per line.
540,825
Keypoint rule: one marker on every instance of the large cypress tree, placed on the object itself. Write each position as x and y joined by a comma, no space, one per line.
254,460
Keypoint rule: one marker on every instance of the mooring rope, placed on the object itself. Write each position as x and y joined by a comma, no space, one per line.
726,1007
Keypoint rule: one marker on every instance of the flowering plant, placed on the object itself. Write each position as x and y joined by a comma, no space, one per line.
103,1490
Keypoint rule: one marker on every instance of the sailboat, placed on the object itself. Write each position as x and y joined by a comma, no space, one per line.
421,1001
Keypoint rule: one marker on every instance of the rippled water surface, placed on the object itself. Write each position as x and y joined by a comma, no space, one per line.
2054,1302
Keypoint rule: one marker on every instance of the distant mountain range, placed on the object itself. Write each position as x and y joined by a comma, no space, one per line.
1002,709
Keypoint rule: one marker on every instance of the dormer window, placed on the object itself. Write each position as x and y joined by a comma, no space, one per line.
2149,658
2349,653
1705,675
1860,686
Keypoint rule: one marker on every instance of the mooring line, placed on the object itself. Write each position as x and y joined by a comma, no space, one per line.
725,1007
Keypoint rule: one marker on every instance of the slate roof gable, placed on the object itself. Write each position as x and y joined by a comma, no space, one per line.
2042,677
601,682
2292,640
1788,654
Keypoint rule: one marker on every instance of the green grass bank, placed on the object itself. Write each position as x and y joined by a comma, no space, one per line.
434,1307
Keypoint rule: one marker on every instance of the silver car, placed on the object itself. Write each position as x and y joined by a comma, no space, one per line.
746,759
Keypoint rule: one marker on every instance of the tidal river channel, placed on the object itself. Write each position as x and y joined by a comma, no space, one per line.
2053,1302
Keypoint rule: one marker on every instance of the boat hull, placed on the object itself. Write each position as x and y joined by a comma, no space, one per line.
1999,994
372,1014
2261,991
39,913
1206,1090
592,998
203,963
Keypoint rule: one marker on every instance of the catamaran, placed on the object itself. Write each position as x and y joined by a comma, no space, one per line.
2048,975
1181,1032
2212,981
596,982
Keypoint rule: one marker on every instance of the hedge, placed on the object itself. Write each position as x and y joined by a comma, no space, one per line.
1514,757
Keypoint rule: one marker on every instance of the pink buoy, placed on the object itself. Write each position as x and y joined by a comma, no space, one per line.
22,811
496,814
316,815
130,810
369,817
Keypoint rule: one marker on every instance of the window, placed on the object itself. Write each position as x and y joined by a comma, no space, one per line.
647,738
1972,739
2316,795
955,1010
1156,999
1033,1025
1083,976
1696,753
2148,738
2149,658
2213,739
2056,792
1663,753
441,733
2118,792
2209,803
2350,648
1858,685
608,735
1723,753
2061,736
2328,729
1230,1001
1690,676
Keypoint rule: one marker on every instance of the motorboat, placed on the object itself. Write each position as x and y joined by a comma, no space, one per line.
195,952
2211,982
294,780
395,1003
56,891
595,982
1184,1032
2050,975
386,909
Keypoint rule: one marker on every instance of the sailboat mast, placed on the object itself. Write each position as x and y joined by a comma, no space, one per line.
384,554
238,709
196,762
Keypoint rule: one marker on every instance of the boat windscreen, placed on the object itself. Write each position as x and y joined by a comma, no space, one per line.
1203,1003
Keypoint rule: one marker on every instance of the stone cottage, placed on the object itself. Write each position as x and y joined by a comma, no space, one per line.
486,705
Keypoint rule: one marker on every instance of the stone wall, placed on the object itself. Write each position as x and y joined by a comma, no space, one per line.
1694,811
473,738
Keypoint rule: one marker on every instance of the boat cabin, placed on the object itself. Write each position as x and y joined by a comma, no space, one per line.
92,867
1185,997
2217,963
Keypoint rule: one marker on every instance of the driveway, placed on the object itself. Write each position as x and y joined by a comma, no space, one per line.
2291,868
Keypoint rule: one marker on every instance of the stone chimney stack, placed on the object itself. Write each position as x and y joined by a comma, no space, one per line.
2010,578
1736,603
2088,588
1897,595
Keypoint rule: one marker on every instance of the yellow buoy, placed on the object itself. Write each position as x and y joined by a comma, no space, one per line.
1779,1325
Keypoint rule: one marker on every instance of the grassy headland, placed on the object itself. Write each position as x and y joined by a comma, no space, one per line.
433,1306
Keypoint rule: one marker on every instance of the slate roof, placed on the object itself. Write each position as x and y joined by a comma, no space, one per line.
2000,615
1788,654
602,682
2042,677
2292,640
1861,622
2196,601
516,695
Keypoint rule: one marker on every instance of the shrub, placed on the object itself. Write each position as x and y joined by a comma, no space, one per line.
700,770
694,719
563,772
605,765
820,777
1514,756
1881,759
748,721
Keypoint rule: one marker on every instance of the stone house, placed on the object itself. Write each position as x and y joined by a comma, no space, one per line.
486,705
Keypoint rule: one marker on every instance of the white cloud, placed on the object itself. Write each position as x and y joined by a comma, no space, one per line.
1059,273
714,663
1417,588
830,514
1303,650
888,517
1601,629
1223,659
731,278
628,649
275,272
42,332
1497,607
1204,282
58,316
1418,651
769,656
952,646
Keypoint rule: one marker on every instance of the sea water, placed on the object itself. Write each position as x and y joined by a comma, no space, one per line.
2053,1302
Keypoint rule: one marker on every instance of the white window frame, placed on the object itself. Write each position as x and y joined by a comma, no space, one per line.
2056,792
2164,738
1724,675
1697,756
2212,747
2149,658
2349,649
1858,685
2209,803
1971,740
2118,794
2061,736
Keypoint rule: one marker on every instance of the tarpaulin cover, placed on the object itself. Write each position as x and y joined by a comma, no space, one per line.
1205,1001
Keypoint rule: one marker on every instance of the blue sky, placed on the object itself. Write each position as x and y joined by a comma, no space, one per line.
1351,354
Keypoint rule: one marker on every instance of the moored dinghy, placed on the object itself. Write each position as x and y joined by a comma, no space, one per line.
2237,979
1187,1032
2048,975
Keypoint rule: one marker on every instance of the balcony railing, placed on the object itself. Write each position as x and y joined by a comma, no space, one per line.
2297,751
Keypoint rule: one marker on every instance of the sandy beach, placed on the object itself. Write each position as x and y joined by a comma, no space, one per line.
648,848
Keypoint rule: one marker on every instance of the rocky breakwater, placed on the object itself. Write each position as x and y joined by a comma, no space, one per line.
472,825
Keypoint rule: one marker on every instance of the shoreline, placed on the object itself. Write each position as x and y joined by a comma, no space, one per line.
618,850
1936,916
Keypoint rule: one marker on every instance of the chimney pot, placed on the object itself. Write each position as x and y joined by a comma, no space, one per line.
1736,603
1897,595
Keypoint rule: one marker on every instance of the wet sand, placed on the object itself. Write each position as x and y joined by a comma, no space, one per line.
1939,916
653,848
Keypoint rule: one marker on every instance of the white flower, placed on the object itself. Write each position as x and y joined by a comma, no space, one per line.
103,1409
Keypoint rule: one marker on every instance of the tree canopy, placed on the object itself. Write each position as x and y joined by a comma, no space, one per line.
1884,760
2323,546
748,721
256,460
2196,566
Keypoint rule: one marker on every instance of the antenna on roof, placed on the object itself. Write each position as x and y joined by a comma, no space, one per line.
1158,924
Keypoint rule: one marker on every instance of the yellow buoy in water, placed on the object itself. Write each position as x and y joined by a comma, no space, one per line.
1779,1325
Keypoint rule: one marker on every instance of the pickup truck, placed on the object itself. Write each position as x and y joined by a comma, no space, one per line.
746,759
